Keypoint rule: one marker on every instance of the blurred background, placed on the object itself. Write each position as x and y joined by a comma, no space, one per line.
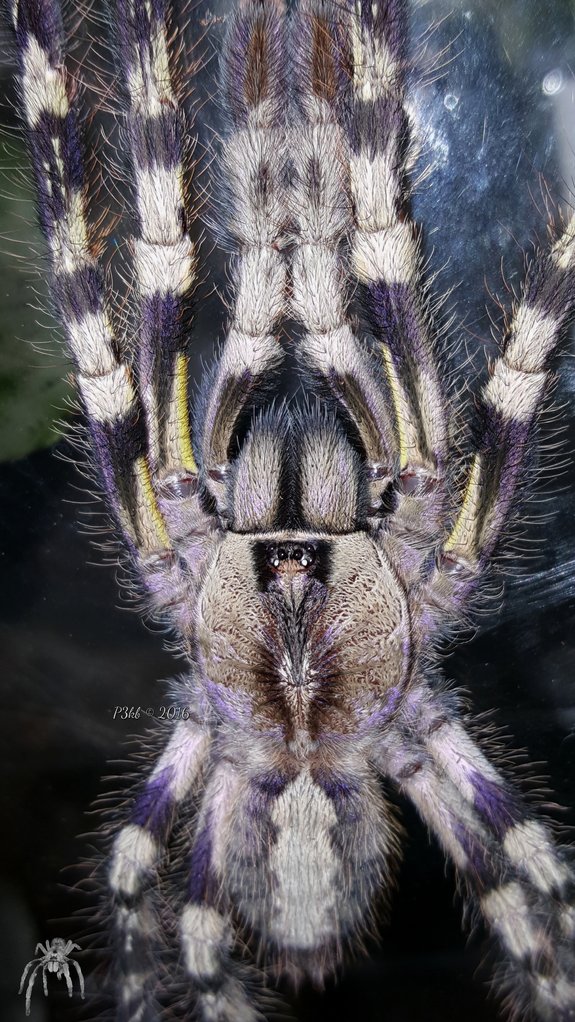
497,122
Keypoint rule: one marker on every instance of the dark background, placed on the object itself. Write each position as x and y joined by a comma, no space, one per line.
498,125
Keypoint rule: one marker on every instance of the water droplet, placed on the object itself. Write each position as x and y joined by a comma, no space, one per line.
450,101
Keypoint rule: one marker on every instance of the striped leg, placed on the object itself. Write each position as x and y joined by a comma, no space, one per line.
516,878
322,215
164,254
509,405
111,400
206,930
105,383
386,256
137,852
254,158
164,259
431,720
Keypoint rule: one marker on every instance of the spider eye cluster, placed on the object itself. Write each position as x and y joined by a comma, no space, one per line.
290,555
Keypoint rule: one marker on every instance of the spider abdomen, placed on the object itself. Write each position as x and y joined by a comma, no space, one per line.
302,854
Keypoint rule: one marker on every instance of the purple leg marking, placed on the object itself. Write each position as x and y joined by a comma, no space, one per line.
154,809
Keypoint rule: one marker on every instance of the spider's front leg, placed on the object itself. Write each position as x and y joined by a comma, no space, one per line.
350,179
509,407
387,261
253,164
79,975
322,216
164,255
65,972
29,974
164,263
138,431
522,884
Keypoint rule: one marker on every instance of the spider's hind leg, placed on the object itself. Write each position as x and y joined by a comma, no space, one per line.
521,883
136,856
208,938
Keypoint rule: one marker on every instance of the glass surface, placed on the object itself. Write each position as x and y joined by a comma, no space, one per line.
497,121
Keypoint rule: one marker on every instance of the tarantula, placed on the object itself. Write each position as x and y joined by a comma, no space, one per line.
312,561
55,957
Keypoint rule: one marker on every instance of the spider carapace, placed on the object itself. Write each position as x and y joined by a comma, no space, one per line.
311,566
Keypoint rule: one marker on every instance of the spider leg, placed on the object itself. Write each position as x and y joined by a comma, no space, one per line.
321,212
386,257
30,986
164,255
206,930
80,976
526,841
68,978
113,406
510,868
45,979
509,405
253,157
26,971
105,384
135,859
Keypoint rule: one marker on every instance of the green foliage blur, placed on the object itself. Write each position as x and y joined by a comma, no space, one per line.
33,370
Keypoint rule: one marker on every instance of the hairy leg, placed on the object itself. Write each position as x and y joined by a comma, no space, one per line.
253,162
136,856
386,257
321,212
80,977
518,881
206,930
508,409
163,252
68,979
109,395
105,383
31,981
431,720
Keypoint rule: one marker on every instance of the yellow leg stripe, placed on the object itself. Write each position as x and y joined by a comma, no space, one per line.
182,414
463,534
150,521
400,407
